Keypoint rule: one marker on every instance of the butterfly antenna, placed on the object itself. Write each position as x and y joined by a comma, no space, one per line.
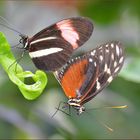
57,109
6,21
103,124
110,107
117,107
107,107
106,126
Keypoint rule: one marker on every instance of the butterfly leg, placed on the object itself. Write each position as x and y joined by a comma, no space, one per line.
16,62
63,107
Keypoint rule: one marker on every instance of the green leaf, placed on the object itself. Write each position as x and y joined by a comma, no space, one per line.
102,11
132,51
17,75
131,70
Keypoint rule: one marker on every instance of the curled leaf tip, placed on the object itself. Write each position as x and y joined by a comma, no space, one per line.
17,75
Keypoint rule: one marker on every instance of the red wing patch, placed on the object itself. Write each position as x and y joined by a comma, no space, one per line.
76,31
74,77
68,32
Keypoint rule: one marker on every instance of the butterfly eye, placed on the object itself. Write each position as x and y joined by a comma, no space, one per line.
21,41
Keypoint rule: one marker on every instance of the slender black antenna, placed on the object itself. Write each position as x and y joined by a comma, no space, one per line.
6,21
11,28
9,25
58,108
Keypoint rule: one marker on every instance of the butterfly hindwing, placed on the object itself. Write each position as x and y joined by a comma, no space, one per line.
77,74
72,75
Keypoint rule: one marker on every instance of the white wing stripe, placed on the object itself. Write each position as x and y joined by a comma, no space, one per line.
43,39
44,52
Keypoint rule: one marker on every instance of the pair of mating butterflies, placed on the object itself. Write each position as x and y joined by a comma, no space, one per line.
82,77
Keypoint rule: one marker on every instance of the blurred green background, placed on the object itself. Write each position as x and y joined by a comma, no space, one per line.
113,20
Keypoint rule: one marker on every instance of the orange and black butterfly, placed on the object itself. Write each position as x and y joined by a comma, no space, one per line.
82,78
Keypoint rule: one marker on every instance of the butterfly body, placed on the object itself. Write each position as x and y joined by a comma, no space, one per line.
53,46
82,78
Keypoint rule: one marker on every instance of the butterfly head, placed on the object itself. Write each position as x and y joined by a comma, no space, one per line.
75,103
24,40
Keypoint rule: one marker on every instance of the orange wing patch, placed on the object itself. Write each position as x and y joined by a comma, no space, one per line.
74,78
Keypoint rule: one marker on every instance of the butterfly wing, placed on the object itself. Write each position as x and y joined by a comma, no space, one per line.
75,73
84,78
110,59
52,47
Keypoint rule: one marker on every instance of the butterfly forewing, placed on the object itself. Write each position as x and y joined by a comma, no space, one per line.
56,43
110,57
50,58
76,30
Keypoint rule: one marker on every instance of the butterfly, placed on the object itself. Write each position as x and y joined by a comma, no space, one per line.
53,46
83,77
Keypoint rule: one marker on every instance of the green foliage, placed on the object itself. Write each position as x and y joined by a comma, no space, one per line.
105,12
17,75
131,68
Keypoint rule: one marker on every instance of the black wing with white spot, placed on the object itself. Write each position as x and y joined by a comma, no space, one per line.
110,58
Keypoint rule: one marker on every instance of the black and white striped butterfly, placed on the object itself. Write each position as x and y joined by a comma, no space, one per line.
82,78
52,47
